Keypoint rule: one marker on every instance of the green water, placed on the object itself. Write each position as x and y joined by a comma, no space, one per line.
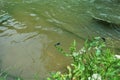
29,30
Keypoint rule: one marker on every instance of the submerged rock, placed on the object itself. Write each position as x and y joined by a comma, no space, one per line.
9,21
4,17
106,10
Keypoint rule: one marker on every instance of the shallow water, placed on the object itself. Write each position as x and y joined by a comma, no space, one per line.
29,30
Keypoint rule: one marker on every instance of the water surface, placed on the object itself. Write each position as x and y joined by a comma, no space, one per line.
29,29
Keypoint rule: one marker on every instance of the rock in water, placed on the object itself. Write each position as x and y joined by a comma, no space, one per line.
4,17
106,10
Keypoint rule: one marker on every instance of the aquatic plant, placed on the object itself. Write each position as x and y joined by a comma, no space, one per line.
92,62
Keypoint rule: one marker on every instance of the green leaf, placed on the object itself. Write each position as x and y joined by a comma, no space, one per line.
98,52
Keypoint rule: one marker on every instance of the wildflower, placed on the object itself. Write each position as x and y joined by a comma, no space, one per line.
95,77
82,50
117,56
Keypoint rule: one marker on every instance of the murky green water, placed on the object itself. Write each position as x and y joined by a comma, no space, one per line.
30,28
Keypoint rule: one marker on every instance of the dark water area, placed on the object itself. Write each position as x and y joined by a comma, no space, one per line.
29,29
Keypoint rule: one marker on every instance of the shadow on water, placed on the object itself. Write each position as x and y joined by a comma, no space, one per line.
29,29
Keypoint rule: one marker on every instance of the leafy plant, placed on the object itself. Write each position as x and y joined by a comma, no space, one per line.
92,62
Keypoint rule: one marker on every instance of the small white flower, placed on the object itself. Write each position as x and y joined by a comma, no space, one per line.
82,50
95,77
117,56
89,78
